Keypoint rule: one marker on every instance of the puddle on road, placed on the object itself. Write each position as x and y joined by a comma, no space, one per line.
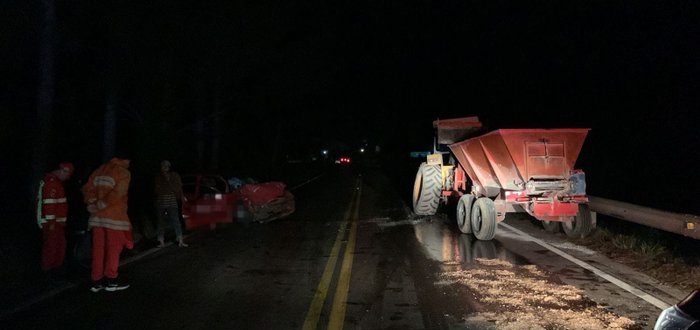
452,248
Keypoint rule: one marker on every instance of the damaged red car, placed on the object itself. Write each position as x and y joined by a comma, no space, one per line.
209,200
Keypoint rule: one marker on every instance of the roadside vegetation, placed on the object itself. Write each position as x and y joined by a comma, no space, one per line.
670,258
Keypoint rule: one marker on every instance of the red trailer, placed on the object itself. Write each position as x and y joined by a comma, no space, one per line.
504,171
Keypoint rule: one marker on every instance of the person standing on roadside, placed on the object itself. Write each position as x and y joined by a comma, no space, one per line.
168,192
52,211
106,196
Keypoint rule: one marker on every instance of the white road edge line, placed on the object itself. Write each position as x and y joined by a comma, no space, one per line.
307,182
639,293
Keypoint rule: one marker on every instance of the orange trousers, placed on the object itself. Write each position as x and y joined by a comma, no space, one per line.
107,245
53,252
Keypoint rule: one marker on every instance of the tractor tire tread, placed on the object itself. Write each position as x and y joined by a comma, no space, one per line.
429,197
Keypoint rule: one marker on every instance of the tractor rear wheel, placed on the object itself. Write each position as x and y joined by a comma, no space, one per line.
484,219
582,224
427,189
464,208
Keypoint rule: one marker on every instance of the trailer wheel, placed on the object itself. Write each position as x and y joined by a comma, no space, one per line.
426,189
464,208
551,226
483,218
582,224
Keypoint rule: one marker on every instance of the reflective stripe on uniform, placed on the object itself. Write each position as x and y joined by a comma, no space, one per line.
108,223
104,180
50,217
60,219
54,200
39,204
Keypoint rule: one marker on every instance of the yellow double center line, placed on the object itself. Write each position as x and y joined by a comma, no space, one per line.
337,315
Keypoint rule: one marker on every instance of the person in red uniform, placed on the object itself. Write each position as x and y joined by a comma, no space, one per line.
52,210
106,196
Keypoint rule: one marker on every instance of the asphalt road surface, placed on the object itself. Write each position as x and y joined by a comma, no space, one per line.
353,256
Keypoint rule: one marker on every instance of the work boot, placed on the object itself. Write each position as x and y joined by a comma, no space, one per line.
181,243
114,285
97,286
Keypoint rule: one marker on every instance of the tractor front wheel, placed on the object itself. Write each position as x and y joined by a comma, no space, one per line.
427,189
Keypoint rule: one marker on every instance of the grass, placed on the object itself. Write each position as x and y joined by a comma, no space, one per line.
656,257
641,247
651,250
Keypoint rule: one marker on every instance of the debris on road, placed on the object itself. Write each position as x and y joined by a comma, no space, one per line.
518,297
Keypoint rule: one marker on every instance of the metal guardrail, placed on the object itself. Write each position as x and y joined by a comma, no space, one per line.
683,224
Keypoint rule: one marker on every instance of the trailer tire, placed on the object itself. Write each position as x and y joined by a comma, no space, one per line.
551,226
427,189
483,218
582,224
464,211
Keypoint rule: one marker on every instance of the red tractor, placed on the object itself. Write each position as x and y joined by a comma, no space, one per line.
505,171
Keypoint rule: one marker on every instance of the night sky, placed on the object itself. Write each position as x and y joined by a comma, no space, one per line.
276,79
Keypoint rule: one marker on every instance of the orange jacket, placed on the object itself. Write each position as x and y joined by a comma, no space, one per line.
107,193
51,201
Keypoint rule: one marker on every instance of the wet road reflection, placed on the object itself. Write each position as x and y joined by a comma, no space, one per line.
442,242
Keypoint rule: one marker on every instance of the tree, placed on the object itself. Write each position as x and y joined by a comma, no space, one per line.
45,91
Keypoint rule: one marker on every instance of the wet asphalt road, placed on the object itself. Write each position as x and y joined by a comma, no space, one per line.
277,275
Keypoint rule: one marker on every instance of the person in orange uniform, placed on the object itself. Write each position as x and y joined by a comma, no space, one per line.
106,196
52,210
